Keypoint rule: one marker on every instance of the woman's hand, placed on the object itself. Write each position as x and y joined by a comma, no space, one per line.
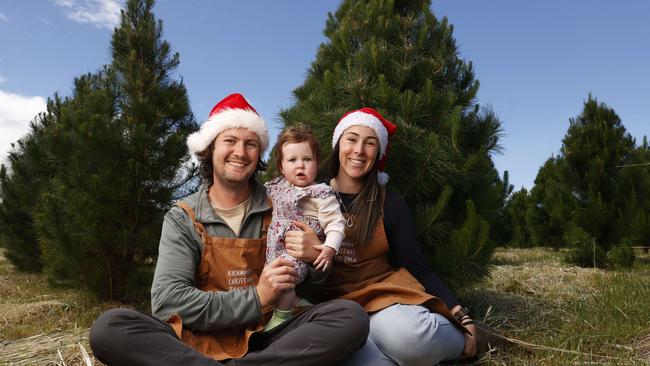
303,244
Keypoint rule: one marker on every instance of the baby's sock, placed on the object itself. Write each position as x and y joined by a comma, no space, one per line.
303,303
279,317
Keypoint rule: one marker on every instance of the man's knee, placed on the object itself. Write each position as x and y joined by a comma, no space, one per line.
352,314
352,319
105,331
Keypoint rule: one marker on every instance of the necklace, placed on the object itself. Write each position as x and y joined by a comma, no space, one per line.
348,220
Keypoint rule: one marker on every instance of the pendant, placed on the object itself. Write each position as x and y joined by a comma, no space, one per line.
349,222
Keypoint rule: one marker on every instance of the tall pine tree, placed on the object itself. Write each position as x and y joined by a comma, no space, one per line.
596,191
395,56
125,136
594,147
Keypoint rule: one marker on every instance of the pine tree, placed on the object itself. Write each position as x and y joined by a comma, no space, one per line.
595,144
551,205
501,231
587,197
21,184
396,57
516,209
125,137
17,199
633,193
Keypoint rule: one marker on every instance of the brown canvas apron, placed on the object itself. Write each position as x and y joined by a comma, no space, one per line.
364,274
226,264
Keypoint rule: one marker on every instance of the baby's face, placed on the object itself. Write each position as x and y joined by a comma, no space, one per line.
299,164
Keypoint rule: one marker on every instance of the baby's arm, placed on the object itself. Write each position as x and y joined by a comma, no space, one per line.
333,224
324,260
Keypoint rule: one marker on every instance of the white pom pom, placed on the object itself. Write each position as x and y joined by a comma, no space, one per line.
194,142
382,178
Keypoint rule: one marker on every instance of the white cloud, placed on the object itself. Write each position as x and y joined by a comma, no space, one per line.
3,17
100,13
16,111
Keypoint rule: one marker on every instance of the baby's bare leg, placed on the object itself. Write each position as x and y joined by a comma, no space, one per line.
286,301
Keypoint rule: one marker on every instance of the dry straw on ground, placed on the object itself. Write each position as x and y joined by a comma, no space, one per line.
68,348
524,299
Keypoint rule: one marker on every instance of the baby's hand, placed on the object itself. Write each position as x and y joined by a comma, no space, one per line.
324,260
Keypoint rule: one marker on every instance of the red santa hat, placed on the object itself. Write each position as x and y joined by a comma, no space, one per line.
231,112
369,117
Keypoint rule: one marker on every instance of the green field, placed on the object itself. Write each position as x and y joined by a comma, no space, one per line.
554,313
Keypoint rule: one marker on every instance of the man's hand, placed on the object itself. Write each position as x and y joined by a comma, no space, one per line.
276,277
303,244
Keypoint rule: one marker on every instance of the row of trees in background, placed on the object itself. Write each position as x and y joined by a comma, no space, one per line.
593,197
86,189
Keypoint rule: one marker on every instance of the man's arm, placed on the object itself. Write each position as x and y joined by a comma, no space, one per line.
174,291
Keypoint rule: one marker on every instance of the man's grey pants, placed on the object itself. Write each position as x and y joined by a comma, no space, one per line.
322,335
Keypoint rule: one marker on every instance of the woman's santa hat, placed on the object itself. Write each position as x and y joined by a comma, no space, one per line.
369,117
231,112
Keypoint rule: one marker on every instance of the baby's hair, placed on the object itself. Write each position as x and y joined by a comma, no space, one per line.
295,135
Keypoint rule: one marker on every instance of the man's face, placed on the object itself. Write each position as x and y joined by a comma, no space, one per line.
235,156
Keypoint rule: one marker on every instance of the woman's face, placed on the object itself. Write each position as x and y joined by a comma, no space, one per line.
358,148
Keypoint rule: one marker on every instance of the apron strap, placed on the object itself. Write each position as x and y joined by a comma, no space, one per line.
199,226
201,229
265,224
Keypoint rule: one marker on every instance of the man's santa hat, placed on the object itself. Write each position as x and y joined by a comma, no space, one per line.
369,117
231,112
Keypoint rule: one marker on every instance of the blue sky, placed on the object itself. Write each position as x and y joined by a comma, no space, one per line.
536,61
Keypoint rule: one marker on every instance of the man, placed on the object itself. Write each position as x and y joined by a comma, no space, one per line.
211,290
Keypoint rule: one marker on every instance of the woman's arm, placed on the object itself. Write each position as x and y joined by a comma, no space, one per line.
405,250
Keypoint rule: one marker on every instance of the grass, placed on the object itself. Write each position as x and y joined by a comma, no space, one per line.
565,314
40,324
557,313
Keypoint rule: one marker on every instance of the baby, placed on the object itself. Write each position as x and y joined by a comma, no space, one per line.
296,197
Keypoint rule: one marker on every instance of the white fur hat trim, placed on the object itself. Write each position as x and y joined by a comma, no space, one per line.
362,119
226,119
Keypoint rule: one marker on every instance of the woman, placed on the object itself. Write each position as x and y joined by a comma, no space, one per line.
410,318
